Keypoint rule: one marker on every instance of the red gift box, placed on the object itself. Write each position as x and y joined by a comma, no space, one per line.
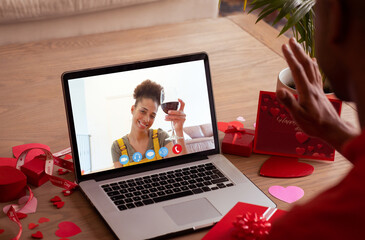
238,141
225,229
34,170
12,184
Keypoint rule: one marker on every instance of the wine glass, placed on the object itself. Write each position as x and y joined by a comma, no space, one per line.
170,102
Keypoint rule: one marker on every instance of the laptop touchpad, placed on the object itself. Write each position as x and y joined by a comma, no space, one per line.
191,211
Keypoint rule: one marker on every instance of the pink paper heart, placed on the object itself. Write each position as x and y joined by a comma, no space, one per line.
240,118
30,208
289,194
67,229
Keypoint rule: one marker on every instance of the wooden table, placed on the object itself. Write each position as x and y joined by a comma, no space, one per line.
245,58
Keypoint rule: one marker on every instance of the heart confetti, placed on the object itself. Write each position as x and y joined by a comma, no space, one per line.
1,231
59,204
37,235
56,199
32,225
43,220
67,229
289,194
241,119
67,157
300,150
62,171
285,167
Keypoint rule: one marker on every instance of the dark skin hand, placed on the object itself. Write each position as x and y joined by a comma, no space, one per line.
313,112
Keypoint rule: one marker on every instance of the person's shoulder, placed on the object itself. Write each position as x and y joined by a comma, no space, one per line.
160,132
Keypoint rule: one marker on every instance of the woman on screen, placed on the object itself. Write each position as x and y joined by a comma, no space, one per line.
144,144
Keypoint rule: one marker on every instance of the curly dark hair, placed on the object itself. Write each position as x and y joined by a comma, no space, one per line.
148,89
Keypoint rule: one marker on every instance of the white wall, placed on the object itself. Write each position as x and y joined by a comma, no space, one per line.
109,99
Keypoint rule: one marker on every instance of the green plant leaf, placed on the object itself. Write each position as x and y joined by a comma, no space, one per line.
287,8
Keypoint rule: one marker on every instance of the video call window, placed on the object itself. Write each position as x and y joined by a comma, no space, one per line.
105,112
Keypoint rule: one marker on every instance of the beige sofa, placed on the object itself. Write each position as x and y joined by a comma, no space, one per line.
32,20
199,138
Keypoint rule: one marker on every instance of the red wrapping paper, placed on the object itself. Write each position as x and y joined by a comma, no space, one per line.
34,170
238,141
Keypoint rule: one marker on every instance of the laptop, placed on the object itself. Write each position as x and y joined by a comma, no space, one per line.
166,193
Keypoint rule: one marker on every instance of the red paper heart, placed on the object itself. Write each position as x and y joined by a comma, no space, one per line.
43,220
67,157
301,137
282,116
21,215
285,167
319,146
11,162
37,235
266,100
56,199
310,148
264,108
274,111
17,150
222,126
62,171
32,225
66,192
59,204
1,231
300,150
67,229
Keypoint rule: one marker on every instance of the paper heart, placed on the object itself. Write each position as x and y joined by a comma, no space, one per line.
285,167
222,126
241,119
32,225
37,235
43,220
301,137
67,229
62,171
300,151
274,111
30,208
17,150
66,192
289,194
266,100
21,215
59,204
282,116
310,148
56,199
264,108
1,231
67,157
319,146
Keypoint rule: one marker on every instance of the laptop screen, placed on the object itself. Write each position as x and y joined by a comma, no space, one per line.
129,115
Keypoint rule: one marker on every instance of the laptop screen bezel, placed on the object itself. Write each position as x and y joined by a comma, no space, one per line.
69,76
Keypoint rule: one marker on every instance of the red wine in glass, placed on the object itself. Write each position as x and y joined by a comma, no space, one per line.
169,106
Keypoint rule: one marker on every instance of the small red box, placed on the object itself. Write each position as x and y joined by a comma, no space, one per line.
12,183
238,141
34,170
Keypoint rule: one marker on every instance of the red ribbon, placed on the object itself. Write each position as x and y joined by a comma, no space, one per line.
50,160
238,131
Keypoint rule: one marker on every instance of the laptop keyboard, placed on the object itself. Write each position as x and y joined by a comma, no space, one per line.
165,186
